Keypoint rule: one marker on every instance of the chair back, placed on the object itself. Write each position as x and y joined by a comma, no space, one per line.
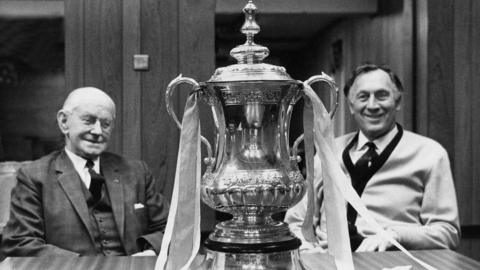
8,180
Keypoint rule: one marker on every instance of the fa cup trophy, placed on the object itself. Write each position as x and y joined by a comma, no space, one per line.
253,171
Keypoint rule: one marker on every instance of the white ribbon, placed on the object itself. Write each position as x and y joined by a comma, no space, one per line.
317,127
181,239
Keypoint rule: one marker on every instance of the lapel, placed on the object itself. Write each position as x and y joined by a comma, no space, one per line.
114,184
71,183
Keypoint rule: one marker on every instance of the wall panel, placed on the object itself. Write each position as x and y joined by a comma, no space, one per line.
159,39
103,55
450,89
94,51
132,84
467,108
179,37
197,60
385,38
449,76
474,32
74,46
464,126
440,97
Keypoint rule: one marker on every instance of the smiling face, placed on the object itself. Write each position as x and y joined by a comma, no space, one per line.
374,100
87,123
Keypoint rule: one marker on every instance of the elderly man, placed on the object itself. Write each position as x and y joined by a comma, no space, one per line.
82,200
404,179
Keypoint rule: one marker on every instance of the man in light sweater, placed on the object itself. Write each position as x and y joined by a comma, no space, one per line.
404,179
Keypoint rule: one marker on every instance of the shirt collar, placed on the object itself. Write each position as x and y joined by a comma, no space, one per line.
380,142
79,162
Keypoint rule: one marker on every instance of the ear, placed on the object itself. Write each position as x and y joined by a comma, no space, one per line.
350,105
398,102
62,119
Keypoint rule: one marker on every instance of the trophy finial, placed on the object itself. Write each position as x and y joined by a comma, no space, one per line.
250,26
250,52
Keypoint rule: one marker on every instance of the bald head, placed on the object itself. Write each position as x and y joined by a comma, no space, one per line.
86,120
88,95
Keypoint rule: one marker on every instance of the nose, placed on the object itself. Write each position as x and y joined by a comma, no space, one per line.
372,102
96,128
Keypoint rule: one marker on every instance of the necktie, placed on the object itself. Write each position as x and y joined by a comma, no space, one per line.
359,181
365,162
96,181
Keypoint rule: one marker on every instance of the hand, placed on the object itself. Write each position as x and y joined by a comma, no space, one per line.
376,242
147,252
307,246
320,245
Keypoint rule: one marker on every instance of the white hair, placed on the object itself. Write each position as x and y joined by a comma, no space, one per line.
84,95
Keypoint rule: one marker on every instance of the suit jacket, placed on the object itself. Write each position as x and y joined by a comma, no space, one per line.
49,213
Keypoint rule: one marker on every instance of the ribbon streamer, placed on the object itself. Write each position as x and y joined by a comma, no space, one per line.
336,213
335,183
181,240
307,226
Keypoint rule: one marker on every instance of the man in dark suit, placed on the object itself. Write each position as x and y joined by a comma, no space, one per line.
82,200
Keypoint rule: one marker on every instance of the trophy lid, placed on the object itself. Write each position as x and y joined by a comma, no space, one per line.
249,57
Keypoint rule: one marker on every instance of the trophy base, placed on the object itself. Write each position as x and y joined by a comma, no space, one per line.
282,260
266,247
252,232
281,255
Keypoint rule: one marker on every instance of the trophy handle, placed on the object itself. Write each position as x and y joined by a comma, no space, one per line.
334,100
168,94
333,89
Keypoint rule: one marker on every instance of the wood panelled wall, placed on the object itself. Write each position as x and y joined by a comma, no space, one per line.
102,38
448,73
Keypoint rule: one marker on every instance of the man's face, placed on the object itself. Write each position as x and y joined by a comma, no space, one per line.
373,102
87,129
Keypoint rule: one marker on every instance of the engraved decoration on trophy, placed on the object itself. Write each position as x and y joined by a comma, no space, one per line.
252,171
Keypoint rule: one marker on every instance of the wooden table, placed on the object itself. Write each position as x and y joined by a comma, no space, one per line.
441,259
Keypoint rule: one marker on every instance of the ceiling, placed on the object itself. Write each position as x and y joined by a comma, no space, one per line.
286,26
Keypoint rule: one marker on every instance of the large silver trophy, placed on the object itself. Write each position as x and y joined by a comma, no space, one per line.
253,171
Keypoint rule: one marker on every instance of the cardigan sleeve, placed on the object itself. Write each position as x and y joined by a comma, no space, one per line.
439,212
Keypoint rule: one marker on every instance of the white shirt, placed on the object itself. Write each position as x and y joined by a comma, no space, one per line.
380,144
80,166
